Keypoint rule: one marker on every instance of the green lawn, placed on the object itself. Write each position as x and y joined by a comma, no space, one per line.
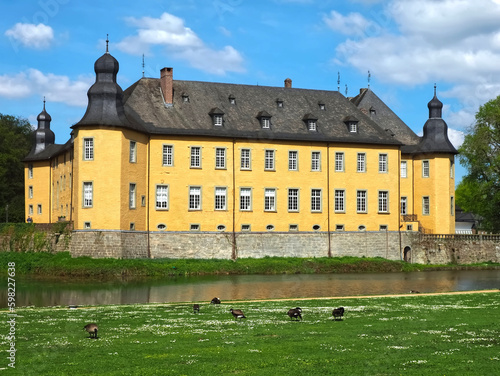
407,335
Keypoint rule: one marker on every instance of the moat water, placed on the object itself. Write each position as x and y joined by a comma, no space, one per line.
43,293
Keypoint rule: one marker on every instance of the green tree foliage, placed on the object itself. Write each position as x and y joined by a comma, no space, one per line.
15,144
479,191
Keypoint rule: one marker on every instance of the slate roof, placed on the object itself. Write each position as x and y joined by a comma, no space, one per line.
49,152
144,105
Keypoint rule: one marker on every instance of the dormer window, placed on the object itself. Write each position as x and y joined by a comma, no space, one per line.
321,106
232,99
352,124
372,111
311,122
279,103
217,117
185,97
265,119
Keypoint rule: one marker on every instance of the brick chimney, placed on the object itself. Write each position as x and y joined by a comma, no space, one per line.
288,83
166,84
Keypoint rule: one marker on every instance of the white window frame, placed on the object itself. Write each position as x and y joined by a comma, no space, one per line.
30,171
426,205
88,149
132,196
133,152
220,201
316,200
353,127
293,160
245,199
30,209
312,125
315,161
30,191
220,158
362,201
88,194
404,205
383,201
339,200
361,162
383,163
39,209
270,199
426,169
195,157
293,200
245,159
404,169
167,155
265,122
194,198
162,197
218,120
269,162
339,161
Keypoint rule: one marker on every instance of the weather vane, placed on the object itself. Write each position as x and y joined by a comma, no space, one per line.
142,65
346,90
369,75
338,81
107,42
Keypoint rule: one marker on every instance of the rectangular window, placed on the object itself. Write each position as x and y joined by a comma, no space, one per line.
452,169
404,172
315,161
133,152
293,227
168,155
88,149
452,206
30,210
161,197
220,158
220,198
339,200
194,227
293,199
404,205
30,191
426,205
245,199
361,166
245,159
194,198
195,157
383,202
361,202
269,160
382,163
339,162
315,200
87,194
270,199
131,196
132,226
245,228
339,228
311,125
30,171
293,162
425,169
39,208
86,225
218,120
265,122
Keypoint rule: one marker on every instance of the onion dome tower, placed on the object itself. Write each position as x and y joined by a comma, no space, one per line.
105,106
43,135
435,138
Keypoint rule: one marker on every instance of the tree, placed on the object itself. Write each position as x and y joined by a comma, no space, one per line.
479,191
15,144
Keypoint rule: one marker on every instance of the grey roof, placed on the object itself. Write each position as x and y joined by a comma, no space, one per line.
369,103
49,152
144,104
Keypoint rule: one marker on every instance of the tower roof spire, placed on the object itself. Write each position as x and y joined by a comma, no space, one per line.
107,43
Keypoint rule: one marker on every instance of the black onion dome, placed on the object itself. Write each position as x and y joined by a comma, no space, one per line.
106,68
43,116
435,107
43,135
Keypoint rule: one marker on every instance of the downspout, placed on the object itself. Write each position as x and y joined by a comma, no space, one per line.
328,197
147,200
399,214
233,250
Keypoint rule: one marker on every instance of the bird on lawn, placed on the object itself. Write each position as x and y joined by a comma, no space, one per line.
215,301
238,314
295,313
196,308
338,313
91,329
414,292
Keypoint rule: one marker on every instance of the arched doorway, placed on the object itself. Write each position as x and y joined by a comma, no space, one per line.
407,254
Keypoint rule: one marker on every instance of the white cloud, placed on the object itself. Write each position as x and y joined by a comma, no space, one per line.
456,137
54,88
352,24
29,35
181,42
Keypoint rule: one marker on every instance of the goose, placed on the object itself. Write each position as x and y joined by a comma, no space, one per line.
196,308
91,329
295,313
237,313
338,313
215,301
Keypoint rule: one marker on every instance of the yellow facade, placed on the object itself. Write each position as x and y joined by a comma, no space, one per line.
38,181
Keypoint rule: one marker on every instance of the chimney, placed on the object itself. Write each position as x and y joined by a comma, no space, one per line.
167,85
288,83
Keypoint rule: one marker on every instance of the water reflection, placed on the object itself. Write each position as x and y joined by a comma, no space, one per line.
49,293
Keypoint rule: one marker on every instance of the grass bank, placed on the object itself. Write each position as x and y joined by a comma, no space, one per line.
43,264
410,335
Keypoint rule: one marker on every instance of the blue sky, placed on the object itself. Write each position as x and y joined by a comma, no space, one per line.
49,47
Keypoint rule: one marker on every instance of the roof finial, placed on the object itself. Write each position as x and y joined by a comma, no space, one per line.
434,89
369,75
338,81
142,65
346,90
107,42
44,102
